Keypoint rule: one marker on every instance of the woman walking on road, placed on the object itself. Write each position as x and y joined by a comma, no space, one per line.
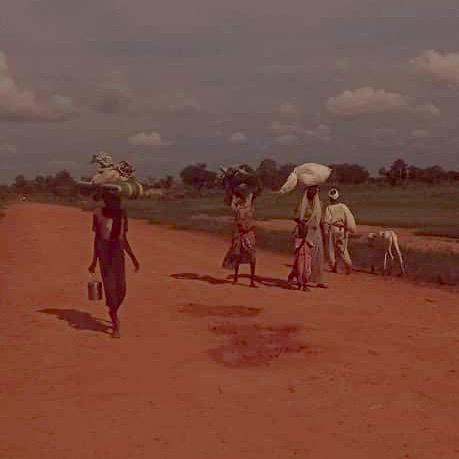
242,248
309,248
110,226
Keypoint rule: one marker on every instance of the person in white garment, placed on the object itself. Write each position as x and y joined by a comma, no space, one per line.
339,223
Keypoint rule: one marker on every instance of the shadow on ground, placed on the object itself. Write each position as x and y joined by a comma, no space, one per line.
202,278
78,320
265,281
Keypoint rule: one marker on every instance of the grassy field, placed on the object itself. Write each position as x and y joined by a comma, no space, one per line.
424,208
431,210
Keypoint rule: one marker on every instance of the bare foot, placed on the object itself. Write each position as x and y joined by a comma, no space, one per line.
322,285
253,285
116,333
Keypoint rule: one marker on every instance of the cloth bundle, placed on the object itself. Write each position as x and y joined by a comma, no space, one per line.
308,174
117,178
241,177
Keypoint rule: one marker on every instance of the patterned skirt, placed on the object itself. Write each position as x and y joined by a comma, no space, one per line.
242,249
302,262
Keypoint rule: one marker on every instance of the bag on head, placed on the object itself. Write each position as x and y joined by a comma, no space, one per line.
235,176
308,174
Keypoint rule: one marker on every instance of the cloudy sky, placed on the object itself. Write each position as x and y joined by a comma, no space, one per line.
166,83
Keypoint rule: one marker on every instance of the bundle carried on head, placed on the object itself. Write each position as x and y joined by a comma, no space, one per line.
308,174
116,178
240,178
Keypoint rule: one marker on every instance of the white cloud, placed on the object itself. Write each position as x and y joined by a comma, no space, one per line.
287,139
420,134
442,67
289,110
238,137
148,139
278,128
62,164
8,148
321,133
343,65
427,111
366,100
291,133
23,105
384,132
185,105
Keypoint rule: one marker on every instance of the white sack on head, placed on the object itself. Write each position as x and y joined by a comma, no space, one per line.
309,174
290,184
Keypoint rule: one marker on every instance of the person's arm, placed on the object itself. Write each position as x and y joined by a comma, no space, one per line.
95,255
327,220
127,246
129,251
350,224
323,228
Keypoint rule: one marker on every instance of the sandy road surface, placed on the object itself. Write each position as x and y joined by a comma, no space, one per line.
204,369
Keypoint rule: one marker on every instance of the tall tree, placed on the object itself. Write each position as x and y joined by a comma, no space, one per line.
198,176
268,174
350,173
398,172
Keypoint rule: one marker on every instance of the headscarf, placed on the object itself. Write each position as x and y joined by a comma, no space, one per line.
333,194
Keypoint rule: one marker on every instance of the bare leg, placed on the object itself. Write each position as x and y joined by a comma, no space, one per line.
291,277
236,273
253,265
115,323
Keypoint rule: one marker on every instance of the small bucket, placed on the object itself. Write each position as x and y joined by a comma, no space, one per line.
94,290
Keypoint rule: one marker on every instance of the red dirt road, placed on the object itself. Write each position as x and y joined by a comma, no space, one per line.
367,369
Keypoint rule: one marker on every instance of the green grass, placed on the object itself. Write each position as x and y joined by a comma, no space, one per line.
452,232
433,210
413,207
434,267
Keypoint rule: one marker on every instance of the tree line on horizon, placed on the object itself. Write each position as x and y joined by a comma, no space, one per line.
271,174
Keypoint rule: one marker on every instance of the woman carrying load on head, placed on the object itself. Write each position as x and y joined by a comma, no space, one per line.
110,226
242,250
308,265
